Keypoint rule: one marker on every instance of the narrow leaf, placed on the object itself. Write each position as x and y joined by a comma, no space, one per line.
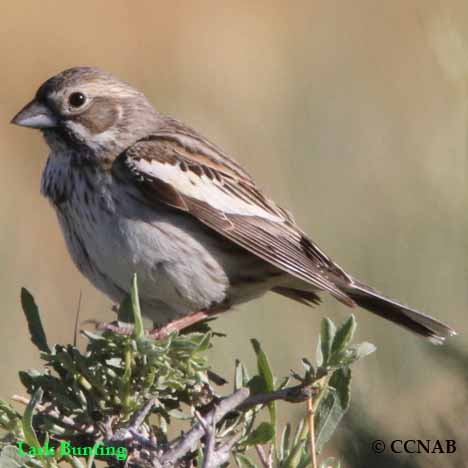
29,433
199,459
327,332
283,447
305,461
298,435
138,330
344,335
238,376
263,366
33,318
295,454
341,382
266,374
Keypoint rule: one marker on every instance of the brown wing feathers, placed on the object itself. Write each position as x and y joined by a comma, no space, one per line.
275,240
169,166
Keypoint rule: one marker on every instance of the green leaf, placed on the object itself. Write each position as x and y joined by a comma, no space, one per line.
29,433
305,460
332,407
256,385
33,318
266,374
341,382
199,458
344,335
298,434
297,448
241,376
295,454
283,447
327,332
262,434
263,366
138,330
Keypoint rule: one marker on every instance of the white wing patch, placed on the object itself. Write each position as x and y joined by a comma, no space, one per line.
202,188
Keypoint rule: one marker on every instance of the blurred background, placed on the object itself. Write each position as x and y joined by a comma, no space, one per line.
351,114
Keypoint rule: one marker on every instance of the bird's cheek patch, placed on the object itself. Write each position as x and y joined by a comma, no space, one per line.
99,117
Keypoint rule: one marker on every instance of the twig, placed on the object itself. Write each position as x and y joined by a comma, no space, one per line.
264,459
188,440
310,421
296,394
238,401
209,451
227,446
212,456
144,441
139,416
130,431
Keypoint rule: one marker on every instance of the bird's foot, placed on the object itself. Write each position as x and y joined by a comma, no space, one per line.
115,327
159,333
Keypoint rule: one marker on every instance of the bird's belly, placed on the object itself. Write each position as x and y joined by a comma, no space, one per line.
179,268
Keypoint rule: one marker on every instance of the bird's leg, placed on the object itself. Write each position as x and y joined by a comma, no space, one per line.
156,333
178,324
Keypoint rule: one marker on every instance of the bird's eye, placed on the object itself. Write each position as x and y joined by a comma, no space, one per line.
76,99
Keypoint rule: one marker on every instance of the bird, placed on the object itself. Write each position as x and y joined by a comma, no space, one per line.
139,192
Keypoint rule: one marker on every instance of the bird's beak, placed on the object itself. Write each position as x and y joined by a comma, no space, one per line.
35,115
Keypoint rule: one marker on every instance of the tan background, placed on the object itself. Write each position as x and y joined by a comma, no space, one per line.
351,114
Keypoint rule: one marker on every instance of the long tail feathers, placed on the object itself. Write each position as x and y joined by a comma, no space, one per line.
417,322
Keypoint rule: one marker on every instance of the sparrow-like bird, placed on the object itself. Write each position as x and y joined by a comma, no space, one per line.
136,191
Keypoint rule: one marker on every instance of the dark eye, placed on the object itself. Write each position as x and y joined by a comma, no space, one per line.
76,99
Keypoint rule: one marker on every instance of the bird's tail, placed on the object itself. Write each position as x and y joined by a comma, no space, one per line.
417,322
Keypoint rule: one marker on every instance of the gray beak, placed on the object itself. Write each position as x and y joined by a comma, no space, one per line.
35,115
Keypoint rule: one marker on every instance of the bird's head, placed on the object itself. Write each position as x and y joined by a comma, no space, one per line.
86,108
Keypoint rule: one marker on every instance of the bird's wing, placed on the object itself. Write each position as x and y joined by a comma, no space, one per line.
180,169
